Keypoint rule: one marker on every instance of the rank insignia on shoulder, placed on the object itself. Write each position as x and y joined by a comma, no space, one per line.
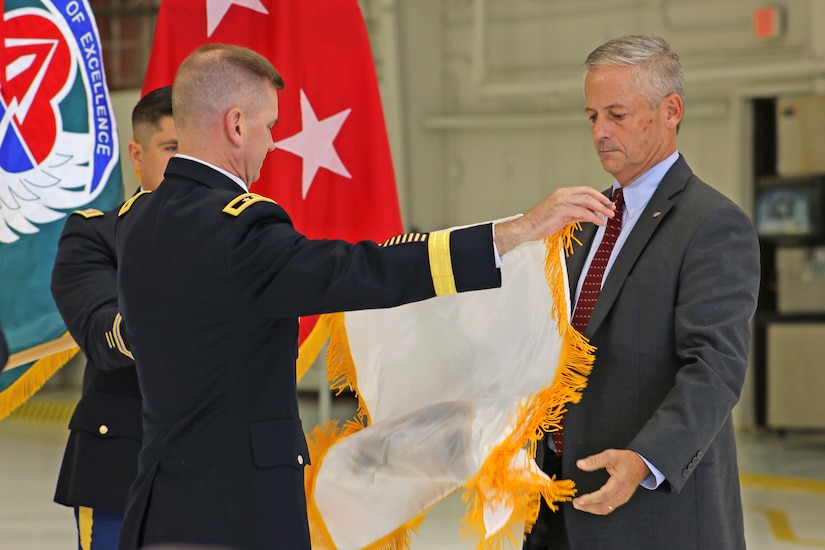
244,201
88,213
406,238
128,204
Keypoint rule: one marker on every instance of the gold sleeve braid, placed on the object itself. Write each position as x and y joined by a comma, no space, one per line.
405,238
441,263
114,338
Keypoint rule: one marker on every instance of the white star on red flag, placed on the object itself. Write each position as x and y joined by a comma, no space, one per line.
314,143
216,10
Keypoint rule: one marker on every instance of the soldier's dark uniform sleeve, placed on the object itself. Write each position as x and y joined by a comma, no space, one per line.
100,460
304,277
84,286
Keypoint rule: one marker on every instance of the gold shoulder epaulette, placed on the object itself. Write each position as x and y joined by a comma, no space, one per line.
244,201
406,238
88,213
128,204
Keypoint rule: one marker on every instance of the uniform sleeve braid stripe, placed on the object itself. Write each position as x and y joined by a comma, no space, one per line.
441,263
121,345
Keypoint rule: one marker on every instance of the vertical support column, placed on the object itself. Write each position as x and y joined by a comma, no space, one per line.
817,21
387,54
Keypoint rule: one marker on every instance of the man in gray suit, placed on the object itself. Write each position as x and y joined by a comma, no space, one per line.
651,444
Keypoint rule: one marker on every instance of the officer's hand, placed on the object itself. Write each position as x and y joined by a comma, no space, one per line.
561,207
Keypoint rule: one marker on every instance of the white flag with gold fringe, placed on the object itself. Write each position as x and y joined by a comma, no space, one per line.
453,393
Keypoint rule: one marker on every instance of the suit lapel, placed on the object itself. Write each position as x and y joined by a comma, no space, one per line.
656,210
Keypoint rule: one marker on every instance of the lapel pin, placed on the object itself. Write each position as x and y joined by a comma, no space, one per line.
657,214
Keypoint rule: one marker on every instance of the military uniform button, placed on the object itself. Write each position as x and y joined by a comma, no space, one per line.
685,473
103,429
300,460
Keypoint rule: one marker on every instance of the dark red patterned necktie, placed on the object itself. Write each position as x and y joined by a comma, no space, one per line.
592,286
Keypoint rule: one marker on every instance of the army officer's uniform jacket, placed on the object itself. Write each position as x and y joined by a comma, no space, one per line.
100,461
212,281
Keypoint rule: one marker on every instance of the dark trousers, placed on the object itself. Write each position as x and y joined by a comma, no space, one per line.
549,532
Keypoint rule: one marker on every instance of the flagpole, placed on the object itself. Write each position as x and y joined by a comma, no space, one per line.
42,350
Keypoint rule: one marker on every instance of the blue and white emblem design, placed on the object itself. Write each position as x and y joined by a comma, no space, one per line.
58,152
58,139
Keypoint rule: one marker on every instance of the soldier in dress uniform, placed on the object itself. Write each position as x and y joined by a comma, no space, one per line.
100,461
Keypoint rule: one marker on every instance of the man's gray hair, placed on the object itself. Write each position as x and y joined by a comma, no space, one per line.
657,69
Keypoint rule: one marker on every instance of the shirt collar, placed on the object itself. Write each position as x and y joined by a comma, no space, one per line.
637,194
233,177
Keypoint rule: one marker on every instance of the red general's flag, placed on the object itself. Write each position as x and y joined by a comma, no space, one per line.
331,169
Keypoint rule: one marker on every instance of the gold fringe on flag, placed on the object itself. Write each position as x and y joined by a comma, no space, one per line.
340,366
311,347
499,481
34,377
319,441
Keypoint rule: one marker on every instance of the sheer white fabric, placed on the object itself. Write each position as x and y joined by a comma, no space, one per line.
442,381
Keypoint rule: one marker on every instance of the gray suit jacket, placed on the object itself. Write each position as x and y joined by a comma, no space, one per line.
671,328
